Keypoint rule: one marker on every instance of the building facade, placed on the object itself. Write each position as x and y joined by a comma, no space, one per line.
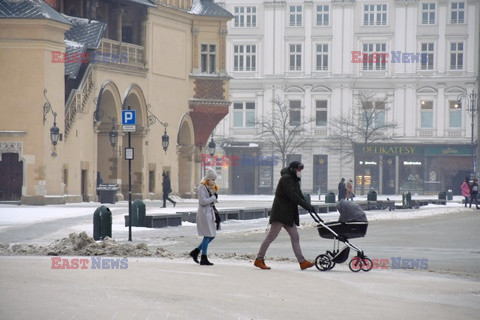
72,66
417,57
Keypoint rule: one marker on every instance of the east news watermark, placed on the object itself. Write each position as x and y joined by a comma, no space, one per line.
399,263
89,57
245,160
93,263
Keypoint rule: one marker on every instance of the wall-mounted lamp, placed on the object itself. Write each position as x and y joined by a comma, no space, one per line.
113,135
55,135
151,120
211,147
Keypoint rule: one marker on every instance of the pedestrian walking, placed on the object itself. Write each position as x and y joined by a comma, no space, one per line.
349,188
206,222
167,188
466,190
342,190
288,196
474,193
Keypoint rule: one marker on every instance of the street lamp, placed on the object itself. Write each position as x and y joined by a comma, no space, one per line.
113,135
472,100
211,147
54,130
151,120
165,140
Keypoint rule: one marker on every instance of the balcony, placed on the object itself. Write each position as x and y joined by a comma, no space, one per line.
455,133
426,133
122,53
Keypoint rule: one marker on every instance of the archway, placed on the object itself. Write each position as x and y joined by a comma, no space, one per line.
186,157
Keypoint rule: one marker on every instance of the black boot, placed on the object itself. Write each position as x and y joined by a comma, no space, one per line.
204,261
194,254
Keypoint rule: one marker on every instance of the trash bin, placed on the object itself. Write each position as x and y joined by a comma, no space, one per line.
138,213
449,194
330,197
372,195
102,223
407,199
107,193
307,197
442,195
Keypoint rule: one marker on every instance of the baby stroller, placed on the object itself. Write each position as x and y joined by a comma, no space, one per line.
351,224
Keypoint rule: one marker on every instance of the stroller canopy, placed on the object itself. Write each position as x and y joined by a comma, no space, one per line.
350,212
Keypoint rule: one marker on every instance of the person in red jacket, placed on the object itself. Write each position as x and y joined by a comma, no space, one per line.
466,190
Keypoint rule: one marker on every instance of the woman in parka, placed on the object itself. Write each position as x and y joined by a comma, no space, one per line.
206,226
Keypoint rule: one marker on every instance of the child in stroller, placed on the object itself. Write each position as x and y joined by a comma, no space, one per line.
352,223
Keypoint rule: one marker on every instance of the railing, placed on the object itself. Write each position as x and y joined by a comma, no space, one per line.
455,133
320,131
134,53
78,98
426,133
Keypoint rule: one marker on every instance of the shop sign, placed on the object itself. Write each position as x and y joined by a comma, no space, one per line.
448,151
391,149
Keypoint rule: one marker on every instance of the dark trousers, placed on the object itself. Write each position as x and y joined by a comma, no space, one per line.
165,201
472,198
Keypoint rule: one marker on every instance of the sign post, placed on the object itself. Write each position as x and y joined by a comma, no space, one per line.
129,125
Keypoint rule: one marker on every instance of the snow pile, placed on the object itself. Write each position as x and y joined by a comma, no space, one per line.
83,245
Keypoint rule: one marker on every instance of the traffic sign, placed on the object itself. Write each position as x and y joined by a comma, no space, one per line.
128,117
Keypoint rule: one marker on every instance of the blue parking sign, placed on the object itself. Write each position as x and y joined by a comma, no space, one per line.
128,117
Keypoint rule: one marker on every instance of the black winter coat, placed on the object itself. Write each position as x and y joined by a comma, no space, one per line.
288,197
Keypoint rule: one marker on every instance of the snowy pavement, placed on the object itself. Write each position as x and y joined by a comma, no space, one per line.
177,288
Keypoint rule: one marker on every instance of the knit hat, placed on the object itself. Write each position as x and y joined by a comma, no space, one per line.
210,175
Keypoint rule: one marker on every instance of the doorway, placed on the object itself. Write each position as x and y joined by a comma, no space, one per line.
11,177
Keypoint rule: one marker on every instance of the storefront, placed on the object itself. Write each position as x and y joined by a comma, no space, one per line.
418,168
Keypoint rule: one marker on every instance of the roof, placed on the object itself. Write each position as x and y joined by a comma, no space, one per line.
29,9
84,35
75,51
85,31
209,8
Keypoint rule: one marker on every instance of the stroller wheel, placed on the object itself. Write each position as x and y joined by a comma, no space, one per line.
323,262
331,265
355,264
367,264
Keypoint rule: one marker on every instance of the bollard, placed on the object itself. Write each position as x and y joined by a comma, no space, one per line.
138,213
307,197
330,197
102,223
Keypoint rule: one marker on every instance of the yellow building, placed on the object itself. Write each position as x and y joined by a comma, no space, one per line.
76,64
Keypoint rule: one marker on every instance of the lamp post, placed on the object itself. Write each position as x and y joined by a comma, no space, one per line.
472,109
211,147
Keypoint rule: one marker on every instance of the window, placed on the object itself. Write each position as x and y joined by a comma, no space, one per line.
428,13
295,57
427,54
455,119
426,114
456,56
323,14
375,15
244,114
321,113
244,57
457,12
295,112
322,57
374,114
245,17
295,16
374,56
208,56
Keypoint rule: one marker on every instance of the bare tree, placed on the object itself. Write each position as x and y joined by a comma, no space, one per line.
363,124
284,128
